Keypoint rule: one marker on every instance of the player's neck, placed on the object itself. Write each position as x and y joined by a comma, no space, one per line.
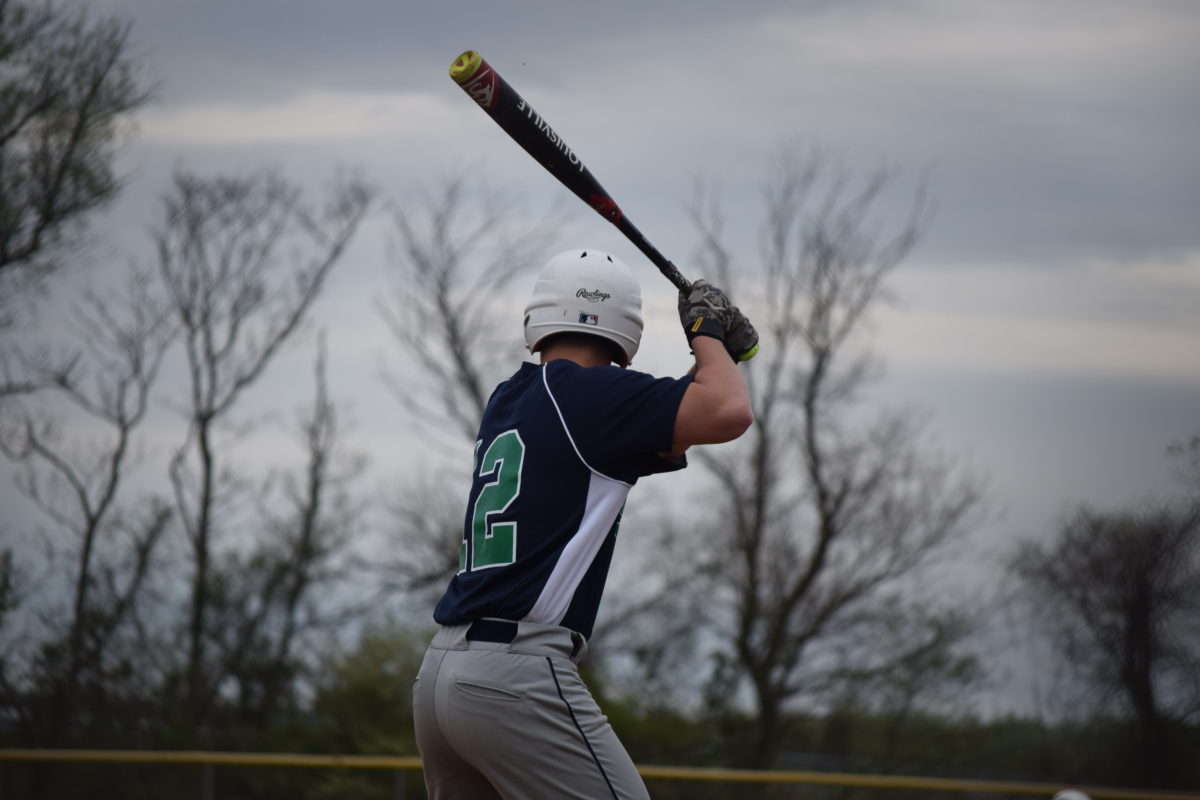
584,354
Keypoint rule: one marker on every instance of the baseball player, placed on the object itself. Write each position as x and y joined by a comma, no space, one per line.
500,709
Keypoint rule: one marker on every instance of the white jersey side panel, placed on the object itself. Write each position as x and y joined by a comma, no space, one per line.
606,498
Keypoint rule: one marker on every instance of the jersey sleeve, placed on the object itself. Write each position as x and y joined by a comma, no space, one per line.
620,420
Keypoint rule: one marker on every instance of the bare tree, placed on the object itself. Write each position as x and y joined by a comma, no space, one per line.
267,602
76,479
1119,595
454,262
425,515
242,261
457,253
67,88
9,591
823,519
915,664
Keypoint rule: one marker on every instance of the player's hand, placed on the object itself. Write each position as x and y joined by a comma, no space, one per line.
704,310
741,340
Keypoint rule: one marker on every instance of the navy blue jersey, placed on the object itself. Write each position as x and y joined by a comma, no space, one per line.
558,450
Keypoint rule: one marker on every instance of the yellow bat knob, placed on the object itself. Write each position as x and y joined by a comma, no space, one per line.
749,354
465,66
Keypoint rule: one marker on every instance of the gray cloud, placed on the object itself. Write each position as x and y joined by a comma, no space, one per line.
1051,132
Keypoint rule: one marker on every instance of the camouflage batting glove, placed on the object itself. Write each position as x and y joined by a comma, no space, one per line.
704,310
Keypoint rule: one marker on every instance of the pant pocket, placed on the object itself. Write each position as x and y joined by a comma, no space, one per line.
486,691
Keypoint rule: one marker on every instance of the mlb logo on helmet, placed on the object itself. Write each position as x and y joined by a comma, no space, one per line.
588,319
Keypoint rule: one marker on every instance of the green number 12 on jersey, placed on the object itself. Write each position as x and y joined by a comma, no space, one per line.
493,543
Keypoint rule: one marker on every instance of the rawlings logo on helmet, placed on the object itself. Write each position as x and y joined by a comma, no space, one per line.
593,295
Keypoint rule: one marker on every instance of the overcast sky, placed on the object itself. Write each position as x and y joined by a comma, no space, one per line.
1049,321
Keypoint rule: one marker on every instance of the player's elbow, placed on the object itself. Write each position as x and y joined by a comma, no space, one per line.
732,420
708,416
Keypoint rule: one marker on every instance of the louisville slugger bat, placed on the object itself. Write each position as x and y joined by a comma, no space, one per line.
530,130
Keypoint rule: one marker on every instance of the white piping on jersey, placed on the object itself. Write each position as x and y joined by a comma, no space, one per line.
570,438
605,499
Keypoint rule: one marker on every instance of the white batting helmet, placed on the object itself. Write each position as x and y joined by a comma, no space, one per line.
1071,794
585,291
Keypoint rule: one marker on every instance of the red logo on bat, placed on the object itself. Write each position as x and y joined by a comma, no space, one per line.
482,87
606,206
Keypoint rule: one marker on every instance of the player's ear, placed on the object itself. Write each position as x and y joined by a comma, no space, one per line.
617,355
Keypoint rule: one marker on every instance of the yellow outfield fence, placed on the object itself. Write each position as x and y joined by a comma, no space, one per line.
703,774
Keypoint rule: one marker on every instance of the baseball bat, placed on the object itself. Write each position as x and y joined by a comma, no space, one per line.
530,130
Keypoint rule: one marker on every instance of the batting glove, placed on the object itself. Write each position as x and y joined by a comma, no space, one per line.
704,310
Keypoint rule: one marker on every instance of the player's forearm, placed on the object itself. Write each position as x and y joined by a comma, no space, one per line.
720,375
716,406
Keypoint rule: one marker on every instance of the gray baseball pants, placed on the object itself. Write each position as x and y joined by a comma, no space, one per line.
501,712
